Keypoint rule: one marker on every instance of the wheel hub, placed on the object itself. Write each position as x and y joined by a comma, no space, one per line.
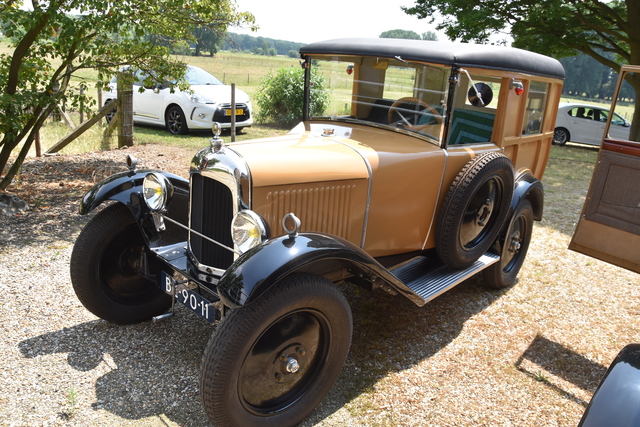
289,363
484,213
515,245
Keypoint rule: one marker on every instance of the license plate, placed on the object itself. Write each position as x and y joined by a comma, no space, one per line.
188,298
239,112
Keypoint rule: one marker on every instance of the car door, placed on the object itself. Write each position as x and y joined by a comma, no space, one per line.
585,128
148,100
609,226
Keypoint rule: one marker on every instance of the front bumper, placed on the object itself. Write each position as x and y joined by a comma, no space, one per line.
180,278
203,115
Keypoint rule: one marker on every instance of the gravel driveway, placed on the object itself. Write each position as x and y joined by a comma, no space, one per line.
531,355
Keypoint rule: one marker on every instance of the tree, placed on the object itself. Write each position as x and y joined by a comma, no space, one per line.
556,28
207,39
50,45
430,35
400,34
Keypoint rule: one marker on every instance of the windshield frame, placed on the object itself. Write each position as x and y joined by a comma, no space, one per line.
443,93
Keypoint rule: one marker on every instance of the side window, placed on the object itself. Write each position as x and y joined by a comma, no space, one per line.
536,102
140,78
475,107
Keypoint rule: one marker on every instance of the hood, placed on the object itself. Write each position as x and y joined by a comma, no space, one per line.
300,158
220,93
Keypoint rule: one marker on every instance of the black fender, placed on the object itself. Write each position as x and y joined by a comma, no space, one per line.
126,188
528,187
263,266
616,400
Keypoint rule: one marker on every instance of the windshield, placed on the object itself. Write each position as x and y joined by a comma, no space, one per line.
198,76
409,97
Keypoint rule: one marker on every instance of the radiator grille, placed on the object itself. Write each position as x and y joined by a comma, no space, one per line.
322,209
211,215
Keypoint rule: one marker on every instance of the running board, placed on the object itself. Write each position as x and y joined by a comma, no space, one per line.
428,282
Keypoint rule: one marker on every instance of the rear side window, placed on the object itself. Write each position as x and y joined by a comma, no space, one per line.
536,103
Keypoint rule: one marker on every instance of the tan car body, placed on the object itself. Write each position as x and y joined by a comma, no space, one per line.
326,180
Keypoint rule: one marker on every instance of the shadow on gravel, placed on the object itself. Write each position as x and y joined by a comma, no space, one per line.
562,362
392,334
151,370
54,186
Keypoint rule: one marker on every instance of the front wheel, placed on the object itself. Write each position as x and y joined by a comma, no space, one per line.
175,121
272,362
107,266
514,248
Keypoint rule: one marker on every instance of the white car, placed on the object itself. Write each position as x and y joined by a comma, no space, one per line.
585,123
208,101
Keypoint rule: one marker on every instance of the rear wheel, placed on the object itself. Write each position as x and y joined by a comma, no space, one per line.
474,209
513,249
272,362
107,267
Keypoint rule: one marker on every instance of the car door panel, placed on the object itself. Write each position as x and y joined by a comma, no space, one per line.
609,226
147,105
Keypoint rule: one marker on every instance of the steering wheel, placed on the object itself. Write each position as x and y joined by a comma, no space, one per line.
394,109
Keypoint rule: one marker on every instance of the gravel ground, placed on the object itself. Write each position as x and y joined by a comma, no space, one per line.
530,355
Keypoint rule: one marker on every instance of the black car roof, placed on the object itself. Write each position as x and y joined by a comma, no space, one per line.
453,54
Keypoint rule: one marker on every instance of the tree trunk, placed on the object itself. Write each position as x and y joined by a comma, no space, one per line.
125,109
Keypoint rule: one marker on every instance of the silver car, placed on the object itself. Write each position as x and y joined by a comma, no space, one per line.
208,101
585,123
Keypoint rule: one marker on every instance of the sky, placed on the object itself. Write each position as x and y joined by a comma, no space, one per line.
307,21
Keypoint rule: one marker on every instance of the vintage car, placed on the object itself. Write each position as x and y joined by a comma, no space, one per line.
424,170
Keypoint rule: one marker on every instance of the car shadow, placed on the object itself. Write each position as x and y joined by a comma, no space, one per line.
151,369
391,334
553,358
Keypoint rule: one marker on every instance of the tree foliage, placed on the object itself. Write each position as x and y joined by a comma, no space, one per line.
54,39
245,42
604,30
408,35
281,96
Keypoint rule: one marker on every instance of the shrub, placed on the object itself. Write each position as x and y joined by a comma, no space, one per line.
281,96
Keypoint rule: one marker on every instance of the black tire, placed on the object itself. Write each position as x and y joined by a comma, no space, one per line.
561,136
105,272
474,209
175,121
244,379
513,247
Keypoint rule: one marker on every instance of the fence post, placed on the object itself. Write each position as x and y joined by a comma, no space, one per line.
81,103
233,112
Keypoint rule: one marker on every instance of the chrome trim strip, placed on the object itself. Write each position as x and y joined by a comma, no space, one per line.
245,174
369,190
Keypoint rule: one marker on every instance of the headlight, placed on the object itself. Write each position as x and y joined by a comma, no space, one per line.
157,190
200,99
248,230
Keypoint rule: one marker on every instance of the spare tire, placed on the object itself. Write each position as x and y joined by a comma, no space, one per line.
474,209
